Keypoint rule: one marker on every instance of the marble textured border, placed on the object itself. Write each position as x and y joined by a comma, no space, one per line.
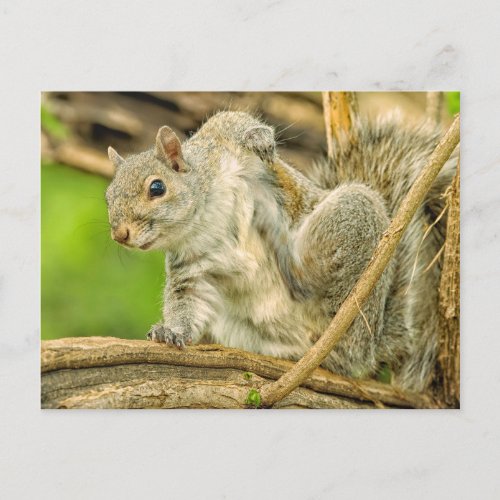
258,45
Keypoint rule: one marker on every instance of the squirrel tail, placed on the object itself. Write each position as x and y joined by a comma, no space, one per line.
388,156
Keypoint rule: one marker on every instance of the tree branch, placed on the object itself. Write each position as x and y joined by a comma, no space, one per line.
339,109
105,372
448,368
78,156
275,391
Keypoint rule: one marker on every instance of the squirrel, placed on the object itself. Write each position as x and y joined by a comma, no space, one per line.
260,256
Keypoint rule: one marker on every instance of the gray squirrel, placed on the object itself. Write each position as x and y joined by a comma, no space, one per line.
260,257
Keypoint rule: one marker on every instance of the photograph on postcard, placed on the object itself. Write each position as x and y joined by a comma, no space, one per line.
250,249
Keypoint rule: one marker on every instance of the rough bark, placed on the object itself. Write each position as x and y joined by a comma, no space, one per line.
105,372
448,367
275,391
339,109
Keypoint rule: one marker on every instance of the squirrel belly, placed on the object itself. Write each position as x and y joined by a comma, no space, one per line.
260,257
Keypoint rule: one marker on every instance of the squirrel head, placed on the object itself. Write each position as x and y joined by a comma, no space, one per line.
155,195
150,198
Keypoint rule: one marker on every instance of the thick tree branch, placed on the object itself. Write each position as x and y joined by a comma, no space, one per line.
105,372
448,369
275,391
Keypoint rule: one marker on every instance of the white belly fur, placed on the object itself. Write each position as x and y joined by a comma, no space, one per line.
257,312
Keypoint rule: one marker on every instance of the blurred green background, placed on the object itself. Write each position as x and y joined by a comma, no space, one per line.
91,285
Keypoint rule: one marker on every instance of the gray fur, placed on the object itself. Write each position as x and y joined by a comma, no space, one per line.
260,257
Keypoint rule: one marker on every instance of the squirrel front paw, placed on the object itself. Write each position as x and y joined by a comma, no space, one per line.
173,336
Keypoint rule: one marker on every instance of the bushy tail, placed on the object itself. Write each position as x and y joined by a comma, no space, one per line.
388,155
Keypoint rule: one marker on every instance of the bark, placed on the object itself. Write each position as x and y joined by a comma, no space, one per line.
105,372
448,367
275,391
339,109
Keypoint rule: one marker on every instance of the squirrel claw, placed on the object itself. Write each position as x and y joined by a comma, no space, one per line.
160,333
156,333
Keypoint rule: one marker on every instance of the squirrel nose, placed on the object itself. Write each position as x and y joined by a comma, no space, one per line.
120,234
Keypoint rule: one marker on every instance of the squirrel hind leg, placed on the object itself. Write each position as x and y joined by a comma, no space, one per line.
326,257
334,243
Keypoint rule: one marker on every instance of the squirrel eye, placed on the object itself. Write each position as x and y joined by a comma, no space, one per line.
157,188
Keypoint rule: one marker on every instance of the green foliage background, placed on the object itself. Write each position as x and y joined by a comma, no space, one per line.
90,285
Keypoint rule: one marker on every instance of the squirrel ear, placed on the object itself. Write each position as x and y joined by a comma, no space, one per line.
168,148
115,158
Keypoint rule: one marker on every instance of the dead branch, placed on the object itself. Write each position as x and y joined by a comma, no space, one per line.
339,109
105,372
84,158
275,391
448,369
77,156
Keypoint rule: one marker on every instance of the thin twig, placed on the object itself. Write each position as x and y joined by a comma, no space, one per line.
434,259
363,315
327,113
273,392
427,232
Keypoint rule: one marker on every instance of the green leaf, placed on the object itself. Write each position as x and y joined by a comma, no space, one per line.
453,102
52,125
247,375
253,398
385,374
